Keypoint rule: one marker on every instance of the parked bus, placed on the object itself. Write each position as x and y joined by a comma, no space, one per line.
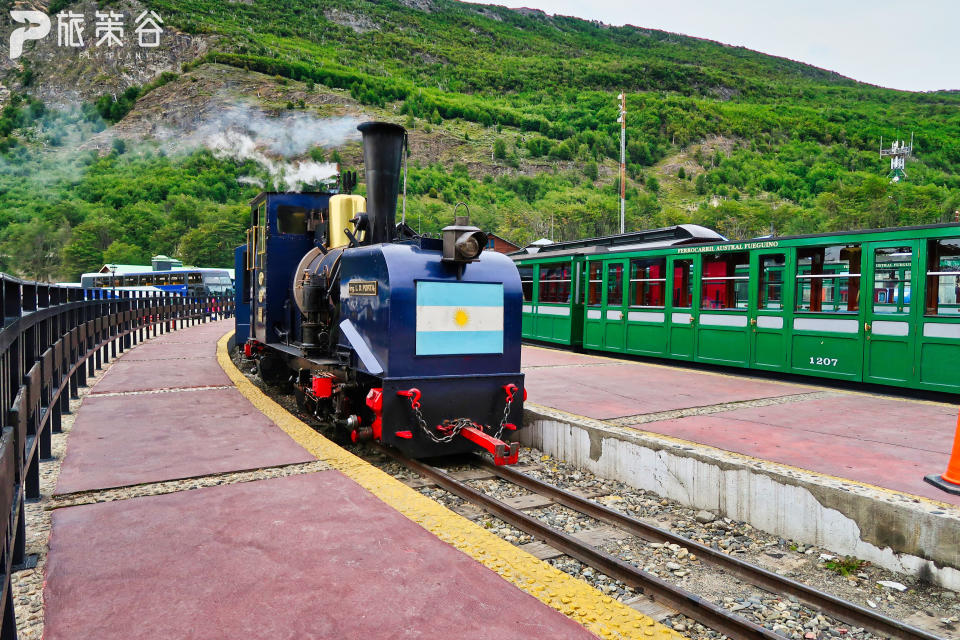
192,282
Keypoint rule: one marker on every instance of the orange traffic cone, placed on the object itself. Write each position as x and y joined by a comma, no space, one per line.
950,480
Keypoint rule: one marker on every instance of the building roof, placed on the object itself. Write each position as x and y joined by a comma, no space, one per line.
125,268
504,240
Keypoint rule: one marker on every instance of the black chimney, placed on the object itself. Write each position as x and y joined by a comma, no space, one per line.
382,155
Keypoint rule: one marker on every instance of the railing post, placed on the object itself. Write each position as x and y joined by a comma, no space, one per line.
20,535
8,630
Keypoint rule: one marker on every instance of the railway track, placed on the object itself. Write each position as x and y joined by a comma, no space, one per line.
664,592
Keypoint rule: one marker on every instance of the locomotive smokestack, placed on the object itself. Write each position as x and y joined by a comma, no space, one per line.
382,155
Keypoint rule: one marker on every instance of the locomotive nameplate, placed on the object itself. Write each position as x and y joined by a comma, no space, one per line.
362,287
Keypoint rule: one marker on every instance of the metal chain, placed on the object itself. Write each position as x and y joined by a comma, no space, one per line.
452,428
506,415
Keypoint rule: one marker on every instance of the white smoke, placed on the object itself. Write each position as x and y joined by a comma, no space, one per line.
246,133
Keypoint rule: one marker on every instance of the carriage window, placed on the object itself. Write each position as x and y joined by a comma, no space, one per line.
555,284
828,279
682,284
129,281
161,279
195,278
526,282
291,219
177,278
647,282
943,277
726,281
770,291
614,284
891,279
595,285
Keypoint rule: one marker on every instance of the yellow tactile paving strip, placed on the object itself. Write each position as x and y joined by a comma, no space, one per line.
600,614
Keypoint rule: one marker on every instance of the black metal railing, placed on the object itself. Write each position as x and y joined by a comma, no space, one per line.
52,338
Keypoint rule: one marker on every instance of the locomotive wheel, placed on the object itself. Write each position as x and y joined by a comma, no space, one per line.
272,370
301,399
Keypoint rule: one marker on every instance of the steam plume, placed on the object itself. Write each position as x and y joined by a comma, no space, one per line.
246,133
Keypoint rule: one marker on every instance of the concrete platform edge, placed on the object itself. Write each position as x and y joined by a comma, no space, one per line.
598,613
901,532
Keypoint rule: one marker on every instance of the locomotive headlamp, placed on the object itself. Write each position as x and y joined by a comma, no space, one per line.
462,242
470,244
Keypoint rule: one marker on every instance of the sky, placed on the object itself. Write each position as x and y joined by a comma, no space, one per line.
904,44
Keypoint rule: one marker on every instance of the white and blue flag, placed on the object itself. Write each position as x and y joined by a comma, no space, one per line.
459,318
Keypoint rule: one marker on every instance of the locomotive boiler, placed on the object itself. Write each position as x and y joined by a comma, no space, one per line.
390,336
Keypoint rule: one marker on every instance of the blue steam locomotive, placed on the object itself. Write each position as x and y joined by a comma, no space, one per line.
390,336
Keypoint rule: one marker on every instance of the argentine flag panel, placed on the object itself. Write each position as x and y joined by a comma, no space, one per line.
459,318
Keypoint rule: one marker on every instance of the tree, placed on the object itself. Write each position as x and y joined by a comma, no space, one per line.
700,184
124,253
33,248
653,185
84,252
591,170
211,244
499,149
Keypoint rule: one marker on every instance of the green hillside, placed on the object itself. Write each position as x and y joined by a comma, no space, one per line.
511,111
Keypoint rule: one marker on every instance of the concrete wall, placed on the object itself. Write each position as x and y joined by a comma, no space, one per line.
897,531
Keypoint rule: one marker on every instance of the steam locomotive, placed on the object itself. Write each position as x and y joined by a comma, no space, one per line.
403,339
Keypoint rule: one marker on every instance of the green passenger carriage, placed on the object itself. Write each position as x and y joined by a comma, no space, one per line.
877,306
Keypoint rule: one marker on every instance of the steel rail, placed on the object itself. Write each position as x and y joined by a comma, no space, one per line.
826,603
687,603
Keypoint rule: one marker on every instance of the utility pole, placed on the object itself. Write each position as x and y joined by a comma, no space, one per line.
622,119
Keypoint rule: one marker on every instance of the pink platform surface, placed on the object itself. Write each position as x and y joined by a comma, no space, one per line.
887,443
146,375
605,390
206,333
883,441
295,558
154,350
125,440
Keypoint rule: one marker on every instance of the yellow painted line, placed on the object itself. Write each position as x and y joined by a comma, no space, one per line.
575,417
598,613
720,374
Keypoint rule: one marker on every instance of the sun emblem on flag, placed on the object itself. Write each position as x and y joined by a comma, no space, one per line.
461,317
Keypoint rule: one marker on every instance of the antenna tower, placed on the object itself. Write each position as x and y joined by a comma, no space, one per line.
898,153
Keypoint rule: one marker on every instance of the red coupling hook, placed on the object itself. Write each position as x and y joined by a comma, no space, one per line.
510,389
414,395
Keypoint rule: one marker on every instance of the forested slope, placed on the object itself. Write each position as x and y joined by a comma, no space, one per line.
512,111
